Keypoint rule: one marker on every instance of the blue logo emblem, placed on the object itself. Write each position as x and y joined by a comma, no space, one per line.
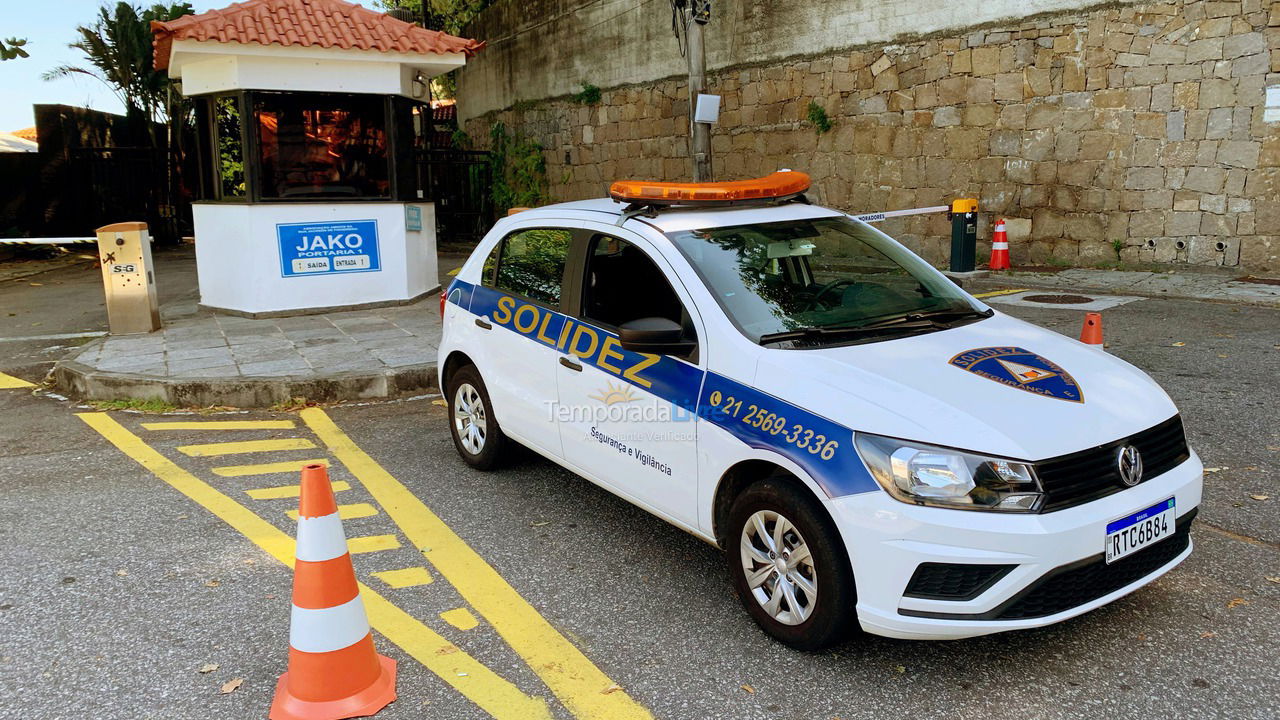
1021,369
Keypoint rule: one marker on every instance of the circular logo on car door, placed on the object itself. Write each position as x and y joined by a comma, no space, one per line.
1129,464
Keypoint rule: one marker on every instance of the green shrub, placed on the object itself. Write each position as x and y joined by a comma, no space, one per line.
588,95
818,117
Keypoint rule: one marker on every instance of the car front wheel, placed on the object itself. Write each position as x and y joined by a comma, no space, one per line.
789,567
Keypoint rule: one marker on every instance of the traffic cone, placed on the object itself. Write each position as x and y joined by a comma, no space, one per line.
1091,333
999,248
334,671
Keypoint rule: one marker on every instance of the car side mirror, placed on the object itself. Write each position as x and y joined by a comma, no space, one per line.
655,335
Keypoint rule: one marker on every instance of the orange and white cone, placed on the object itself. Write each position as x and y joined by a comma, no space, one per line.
334,671
999,248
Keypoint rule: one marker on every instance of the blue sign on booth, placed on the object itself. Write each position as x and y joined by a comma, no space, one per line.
328,248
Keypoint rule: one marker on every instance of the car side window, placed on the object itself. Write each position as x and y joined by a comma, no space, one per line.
532,262
623,283
490,264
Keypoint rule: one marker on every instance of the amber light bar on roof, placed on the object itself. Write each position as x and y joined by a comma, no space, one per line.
781,184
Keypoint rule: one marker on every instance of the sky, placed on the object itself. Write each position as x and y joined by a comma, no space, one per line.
48,27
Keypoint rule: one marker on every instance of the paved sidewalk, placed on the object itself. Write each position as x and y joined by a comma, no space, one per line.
202,358
213,359
1189,285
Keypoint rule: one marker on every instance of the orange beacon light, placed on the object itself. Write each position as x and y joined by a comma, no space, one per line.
781,184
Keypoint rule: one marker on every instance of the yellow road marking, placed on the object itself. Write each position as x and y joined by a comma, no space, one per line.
245,446
346,512
372,543
476,682
406,577
9,382
994,293
222,425
290,491
453,272
292,466
460,618
583,688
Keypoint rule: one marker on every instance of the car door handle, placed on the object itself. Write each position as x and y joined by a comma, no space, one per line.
576,367
480,323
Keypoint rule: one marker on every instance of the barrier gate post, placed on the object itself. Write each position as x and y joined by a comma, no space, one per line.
124,250
964,234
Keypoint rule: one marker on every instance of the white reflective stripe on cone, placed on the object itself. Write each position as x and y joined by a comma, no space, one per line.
320,538
328,629
997,245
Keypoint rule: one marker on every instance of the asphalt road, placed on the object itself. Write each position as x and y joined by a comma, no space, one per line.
115,589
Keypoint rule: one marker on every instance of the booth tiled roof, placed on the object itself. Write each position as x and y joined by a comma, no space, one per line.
306,23
25,133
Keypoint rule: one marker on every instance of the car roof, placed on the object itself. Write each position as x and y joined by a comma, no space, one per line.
682,218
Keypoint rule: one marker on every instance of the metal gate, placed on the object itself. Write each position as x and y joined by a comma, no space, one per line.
458,182
118,184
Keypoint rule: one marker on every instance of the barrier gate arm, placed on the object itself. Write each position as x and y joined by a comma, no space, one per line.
878,216
964,228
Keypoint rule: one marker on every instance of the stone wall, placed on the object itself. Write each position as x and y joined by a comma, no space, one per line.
1131,133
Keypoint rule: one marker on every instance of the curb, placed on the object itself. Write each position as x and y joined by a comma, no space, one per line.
995,282
81,382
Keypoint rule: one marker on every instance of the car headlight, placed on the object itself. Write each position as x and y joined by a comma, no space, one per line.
927,475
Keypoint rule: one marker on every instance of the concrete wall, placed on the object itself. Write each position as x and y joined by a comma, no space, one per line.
1132,133
537,49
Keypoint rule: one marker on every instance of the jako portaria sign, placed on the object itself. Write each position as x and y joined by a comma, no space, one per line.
328,248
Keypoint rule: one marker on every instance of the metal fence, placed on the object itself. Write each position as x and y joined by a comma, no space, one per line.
458,182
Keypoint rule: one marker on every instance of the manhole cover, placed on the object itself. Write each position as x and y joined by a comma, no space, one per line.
1058,299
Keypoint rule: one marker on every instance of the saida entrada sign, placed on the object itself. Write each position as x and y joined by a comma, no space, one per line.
327,248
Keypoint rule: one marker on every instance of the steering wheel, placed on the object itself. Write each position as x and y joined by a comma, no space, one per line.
813,302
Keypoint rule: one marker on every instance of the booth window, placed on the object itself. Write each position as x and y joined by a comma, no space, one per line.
317,145
229,144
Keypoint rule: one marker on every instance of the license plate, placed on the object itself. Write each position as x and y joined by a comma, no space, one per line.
1130,534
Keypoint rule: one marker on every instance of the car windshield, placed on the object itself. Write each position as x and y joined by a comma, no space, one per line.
816,274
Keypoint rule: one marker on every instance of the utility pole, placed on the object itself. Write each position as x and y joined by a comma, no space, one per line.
694,14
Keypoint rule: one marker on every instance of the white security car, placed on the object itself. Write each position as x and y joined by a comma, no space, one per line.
862,438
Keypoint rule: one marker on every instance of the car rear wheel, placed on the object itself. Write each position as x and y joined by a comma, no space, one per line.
475,431
789,567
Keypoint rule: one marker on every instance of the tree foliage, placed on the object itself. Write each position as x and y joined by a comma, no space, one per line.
518,170
450,16
11,49
118,48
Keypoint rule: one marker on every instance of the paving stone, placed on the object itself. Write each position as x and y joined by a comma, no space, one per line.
279,367
127,363
193,353
392,333
180,367
219,371
203,344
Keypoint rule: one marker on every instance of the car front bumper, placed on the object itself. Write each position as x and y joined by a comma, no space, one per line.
1047,555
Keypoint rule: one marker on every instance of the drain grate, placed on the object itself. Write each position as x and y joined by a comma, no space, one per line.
1058,299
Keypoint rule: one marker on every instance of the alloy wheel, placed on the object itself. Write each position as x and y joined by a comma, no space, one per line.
469,418
779,567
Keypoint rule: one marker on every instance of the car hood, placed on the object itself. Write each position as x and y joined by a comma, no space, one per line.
910,388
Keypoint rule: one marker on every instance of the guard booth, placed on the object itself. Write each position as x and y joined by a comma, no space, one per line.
310,113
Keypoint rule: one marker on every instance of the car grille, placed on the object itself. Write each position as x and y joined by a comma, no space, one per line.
1072,586
1087,475
952,581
